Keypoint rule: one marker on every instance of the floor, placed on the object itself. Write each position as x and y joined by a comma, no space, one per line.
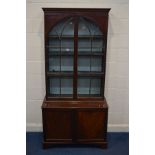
118,145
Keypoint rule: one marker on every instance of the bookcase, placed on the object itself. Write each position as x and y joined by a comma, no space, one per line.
75,110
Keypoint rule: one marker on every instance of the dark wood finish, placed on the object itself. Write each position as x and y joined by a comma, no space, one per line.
86,103
74,122
75,119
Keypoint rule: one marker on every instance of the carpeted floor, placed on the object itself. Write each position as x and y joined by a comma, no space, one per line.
118,145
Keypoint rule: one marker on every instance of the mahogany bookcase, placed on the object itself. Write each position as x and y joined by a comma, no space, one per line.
75,110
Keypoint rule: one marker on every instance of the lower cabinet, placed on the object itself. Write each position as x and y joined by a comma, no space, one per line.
73,125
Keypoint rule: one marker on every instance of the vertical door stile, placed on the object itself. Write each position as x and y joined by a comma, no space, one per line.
75,57
46,41
103,64
75,74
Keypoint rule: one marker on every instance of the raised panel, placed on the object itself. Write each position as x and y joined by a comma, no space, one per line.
57,124
91,124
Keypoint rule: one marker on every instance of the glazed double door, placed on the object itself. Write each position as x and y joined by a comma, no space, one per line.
75,52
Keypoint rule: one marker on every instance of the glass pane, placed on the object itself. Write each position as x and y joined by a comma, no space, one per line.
87,28
65,27
54,42
61,86
88,63
68,28
90,46
93,45
95,86
54,45
96,64
54,86
83,64
83,29
63,63
89,86
67,45
83,86
84,45
66,86
97,44
67,64
54,64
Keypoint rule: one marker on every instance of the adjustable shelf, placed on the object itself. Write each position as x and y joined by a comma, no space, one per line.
72,37
51,54
57,74
67,47
90,74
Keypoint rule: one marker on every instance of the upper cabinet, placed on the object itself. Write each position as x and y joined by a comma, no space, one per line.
75,53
